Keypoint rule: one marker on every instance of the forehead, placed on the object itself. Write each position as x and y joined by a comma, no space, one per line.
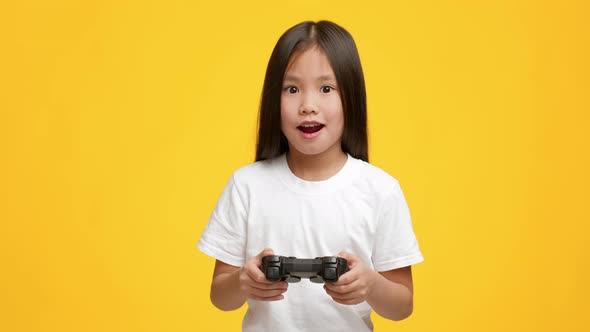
309,63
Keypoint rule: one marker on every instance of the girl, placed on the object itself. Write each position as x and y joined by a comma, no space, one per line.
310,193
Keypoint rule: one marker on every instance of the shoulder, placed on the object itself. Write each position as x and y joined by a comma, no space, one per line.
376,178
255,172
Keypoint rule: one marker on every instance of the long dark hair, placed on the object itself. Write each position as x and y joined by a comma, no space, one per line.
342,53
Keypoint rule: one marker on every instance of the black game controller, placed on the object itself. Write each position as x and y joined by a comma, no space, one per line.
291,269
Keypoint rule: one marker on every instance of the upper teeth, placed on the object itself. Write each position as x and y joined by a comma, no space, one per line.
310,125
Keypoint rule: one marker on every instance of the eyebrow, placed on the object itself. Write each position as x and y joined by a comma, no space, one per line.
295,78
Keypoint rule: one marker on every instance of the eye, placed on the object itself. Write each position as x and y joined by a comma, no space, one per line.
326,89
291,89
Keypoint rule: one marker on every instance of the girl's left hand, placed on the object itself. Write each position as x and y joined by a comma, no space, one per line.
355,285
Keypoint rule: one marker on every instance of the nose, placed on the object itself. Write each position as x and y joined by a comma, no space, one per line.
308,105
307,109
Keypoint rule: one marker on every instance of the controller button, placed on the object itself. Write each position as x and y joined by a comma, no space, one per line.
272,273
330,259
330,273
272,259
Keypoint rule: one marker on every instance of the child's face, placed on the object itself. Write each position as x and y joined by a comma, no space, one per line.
311,110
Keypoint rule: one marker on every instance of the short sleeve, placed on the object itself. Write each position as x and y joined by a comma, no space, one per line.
224,237
395,244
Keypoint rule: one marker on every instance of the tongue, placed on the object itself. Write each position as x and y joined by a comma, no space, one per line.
310,130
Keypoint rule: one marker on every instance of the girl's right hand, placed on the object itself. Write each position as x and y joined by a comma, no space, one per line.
253,283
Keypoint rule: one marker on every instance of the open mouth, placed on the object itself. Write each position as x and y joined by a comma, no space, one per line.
311,128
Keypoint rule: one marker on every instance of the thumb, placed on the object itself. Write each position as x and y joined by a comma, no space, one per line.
349,257
264,252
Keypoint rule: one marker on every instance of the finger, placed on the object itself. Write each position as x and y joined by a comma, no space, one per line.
349,277
256,275
343,288
272,286
345,254
350,258
254,271
348,302
340,297
264,252
346,296
268,299
266,293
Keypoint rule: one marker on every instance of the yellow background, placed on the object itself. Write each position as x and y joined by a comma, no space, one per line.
121,121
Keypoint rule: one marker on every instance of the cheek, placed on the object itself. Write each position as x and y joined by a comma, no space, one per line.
339,119
285,107
336,113
283,115
285,119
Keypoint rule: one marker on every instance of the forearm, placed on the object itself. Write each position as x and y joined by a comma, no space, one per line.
389,299
225,291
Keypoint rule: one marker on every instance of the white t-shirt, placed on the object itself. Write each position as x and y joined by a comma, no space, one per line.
360,210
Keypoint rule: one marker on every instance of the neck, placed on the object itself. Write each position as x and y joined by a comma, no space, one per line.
317,167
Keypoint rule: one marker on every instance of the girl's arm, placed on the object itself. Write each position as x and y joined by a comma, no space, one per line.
389,293
232,286
392,295
224,287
